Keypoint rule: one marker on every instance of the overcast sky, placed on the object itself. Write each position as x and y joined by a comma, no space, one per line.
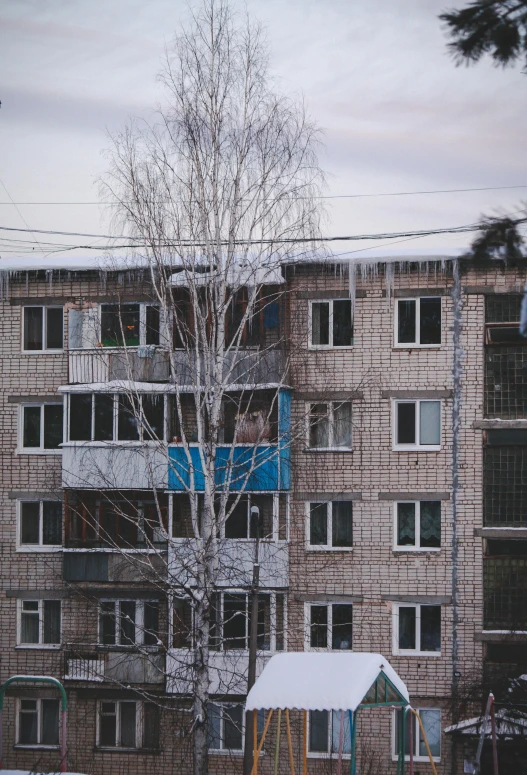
396,113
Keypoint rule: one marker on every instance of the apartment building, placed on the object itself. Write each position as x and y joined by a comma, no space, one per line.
387,498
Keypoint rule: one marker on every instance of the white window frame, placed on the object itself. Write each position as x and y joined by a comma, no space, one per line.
329,346
40,644
44,308
41,450
272,623
331,424
329,546
142,324
417,548
139,725
329,754
115,420
396,651
40,547
223,750
416,446
45,746
139,622
307,625
416,757
417,344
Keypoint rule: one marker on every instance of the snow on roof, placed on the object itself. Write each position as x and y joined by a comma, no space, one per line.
31,772
127,386
72,263
508,722
381,255
319,681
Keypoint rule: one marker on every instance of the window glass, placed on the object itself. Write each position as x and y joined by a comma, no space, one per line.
31,432
128,721
51,621
406,423
319,627
28,723
30,522
52,523
33,324
108,724
431,524
152,325
406,323
342,425
232,727
214,726
107,623
342,527
50,722
320,323
342,325
432,725
103,417
80,416
151,617
127,422
53,430
407,621
410,719
120,325
30,622
342,636
341,719
54,328
234,621
318,731
430,422
430,320
127,622
153,416
406,524
150,725
430,628
318,527
319,426
280,621
236,523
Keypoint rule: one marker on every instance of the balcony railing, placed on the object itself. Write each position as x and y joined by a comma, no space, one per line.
227,671
124,667
114,466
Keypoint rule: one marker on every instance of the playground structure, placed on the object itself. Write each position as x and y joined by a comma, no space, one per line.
346,683
64,709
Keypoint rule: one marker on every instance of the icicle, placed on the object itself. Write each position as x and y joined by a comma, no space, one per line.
49,273
352,285
389,283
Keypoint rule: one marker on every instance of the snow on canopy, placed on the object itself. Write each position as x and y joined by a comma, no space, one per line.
320,681
32,772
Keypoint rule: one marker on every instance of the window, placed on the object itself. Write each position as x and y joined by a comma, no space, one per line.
231,627
225,727
43,329
331,324
329,626
41,427
330,525
129,325
330,425
417,628
418,525
417,425
431,720
125,523
40,523
129,622
418,322
128,724
39,622
325,732
97,417
250,516
38,722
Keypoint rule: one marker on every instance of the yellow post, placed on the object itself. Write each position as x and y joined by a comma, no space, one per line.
254,770
255,739
418,717
289,743
304,769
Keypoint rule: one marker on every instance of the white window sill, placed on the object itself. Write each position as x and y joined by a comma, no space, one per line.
409,346
409,653
113,550
322,548
330,347
227,752
36,451
328,756
118,443
44,352
36,747
116,749
416,448
328,449
416,549
37,549
38,646
422,759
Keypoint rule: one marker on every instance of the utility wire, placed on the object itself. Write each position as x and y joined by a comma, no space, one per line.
333,196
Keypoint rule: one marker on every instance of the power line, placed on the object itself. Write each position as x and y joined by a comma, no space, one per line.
332,196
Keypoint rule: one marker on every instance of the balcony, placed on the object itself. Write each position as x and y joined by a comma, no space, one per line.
114,466
236,562
85,664
112,566
505,593
227,671
104,364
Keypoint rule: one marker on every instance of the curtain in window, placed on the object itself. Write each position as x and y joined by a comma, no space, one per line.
406,524
51,621
33,328
128,721
406,627
432,724
346,732
430,422
342,527
342,423
431,523
50,722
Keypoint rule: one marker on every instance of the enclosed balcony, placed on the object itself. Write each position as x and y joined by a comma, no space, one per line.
89,663
505,585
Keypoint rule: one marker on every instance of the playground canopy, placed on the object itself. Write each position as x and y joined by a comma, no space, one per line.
327,681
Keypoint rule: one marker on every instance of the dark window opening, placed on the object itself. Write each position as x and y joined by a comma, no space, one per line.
319,627
120,325
406,423
152,325
342,626
53,428
33,328
430,321
31,431
406,322
103,410
54,328
80,416
127,419
182,624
